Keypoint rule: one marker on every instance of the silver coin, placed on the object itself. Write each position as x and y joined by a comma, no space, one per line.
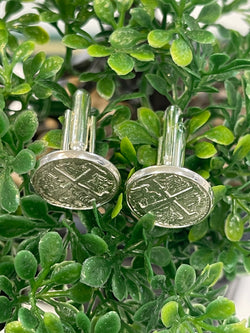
76,179
178,197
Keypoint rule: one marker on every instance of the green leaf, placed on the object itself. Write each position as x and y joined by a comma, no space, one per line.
28,19
214,273
210,13
109,322
34,206
50,249
234,228
25,125
16,327
184,279
202,2
119,286
158,83
49,16
141,17
149,120
83,322
121,63
24,161
27,318
25,265
229,258
80,293
50,67
5,309
123,5
181,52
13,226
159,38
95,271
52,323
105,10
239,327
220,309
38,34
198,231
9,195
160,256
58,92
74,41
105,87
219,134
41,92
147,155
6,286
143,53
219,192
121,114
96,50
128,150
38,147
145,311
124,38
200,258
219,59
242,148
201,36
23,52
66,272
21,89
246,263
53,138
4,123
135,133
118,207
204,149
94,244
169,313
3,38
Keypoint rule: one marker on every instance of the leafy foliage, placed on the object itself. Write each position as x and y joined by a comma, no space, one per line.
102,270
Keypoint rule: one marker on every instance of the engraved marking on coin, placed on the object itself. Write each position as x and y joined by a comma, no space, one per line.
174,199
75,183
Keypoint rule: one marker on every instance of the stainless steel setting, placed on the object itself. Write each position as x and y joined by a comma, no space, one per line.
178,197
74,178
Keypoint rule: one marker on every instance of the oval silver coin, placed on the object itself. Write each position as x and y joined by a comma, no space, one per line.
178,197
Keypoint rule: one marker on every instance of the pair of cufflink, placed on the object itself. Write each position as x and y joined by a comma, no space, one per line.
75,178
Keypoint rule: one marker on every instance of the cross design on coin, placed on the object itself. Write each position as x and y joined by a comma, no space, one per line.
178,197
74,178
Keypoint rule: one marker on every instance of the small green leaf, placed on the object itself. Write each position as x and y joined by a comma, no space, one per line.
24,161
50,249
53,138
23,52
158,83
25,265
214,273
5,309
80,293
124,38
121,63
135,133
229,258
105,10
219,134
15,327
184,279
119,286
181,52
13,226
29,18
38,147
141,16
149,120
147,155
145,311
74,41
123,5
128,150
95,271
25,125
199,120
201,257
27,318
246,263
21,89
34,206
201,36
242,148
52,323
83,322
204,149
159,38
210,13
239,327
50,67
4,123
109,322
49,16
105,87
94,244
66,272
160,256
96,50
219,192
220,309
121,114
117,207
219,59
38,34
169,313
6,286
41,91
234,228
143,53
198,231
58,92
9,195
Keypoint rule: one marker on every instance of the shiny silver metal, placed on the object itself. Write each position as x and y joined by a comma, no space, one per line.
178,197
74,178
